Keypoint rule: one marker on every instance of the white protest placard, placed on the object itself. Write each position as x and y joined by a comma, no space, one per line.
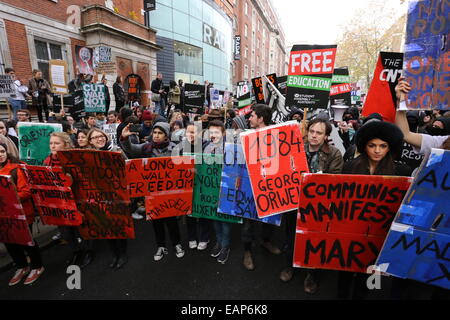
7,87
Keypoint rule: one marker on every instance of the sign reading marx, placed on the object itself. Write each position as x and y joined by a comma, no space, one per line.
213,37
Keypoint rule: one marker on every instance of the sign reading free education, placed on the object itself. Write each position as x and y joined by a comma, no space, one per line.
166,183
381,97
52,195
236,197
275,158
343,219
208,172
427,55
13,222
194,98
94,97
309,78
417,246
100,189
34,141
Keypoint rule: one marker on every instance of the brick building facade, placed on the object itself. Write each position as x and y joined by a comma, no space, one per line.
34,32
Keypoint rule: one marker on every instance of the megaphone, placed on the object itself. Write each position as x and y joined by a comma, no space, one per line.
339,111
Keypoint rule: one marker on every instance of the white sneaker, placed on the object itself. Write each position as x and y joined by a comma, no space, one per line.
160,253
179,252
202,245
192,244
137,216
57,236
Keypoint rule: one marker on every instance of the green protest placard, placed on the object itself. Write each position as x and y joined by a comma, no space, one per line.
208,173
34,139
94,98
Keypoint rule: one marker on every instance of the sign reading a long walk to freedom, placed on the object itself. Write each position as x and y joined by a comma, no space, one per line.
166,185
13,222
275,158
427,55
208,171
343,219
34,141
418,244
52,195
94,98
381,96
309,76
101,193
236,197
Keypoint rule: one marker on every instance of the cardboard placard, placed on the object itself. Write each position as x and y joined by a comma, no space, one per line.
111,130
309,77
13,222
427,55
100,189
106,67
94,97
52,194
344,219
275,158
34,141
7,87
417,246
381,96
236,197
58,76
167,184
208,172
84,58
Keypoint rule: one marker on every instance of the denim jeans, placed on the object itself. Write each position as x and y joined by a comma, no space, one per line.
223,230
160,107
16,105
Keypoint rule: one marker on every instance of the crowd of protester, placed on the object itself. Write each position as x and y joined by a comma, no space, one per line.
373,147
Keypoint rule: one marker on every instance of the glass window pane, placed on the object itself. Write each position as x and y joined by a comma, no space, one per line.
161,18
41,50
182,5
196,29
196,8
44,67
180,23
188,59
55,51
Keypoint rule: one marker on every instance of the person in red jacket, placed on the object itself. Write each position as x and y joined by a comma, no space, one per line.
10,166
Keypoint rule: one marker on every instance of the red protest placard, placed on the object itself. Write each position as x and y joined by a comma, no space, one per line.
345,218
52,195
13,222
275,158
167,183
100,190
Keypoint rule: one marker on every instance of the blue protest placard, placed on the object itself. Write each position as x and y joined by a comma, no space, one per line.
427,54
236,197
417,246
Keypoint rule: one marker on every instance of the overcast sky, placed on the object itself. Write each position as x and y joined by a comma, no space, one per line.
318,21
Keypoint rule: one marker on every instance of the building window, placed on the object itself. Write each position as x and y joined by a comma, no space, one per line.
245,71
246,8
188,58
246,52
46,51
245,30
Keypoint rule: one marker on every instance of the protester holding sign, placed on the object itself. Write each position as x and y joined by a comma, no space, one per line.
10,166
377,142
40,91
160,146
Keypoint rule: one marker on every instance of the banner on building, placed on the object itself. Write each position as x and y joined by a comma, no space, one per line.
275,158
13,222
52,195
34,141
343,219
237,47
84,58
236,197
194,98
208,172
340,92
418,242
94,97
427,55
7,87
100,190
309,77
381,97
58,76
166,183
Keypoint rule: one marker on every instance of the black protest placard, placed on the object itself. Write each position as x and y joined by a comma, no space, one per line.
309,77
194,98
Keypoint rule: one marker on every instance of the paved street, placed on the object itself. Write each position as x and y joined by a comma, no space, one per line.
196,276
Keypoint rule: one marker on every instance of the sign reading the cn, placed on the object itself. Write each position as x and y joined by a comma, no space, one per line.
309,79
213,37
94,98
417,246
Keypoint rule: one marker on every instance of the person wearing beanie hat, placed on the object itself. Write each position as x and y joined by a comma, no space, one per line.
147,125
159,146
